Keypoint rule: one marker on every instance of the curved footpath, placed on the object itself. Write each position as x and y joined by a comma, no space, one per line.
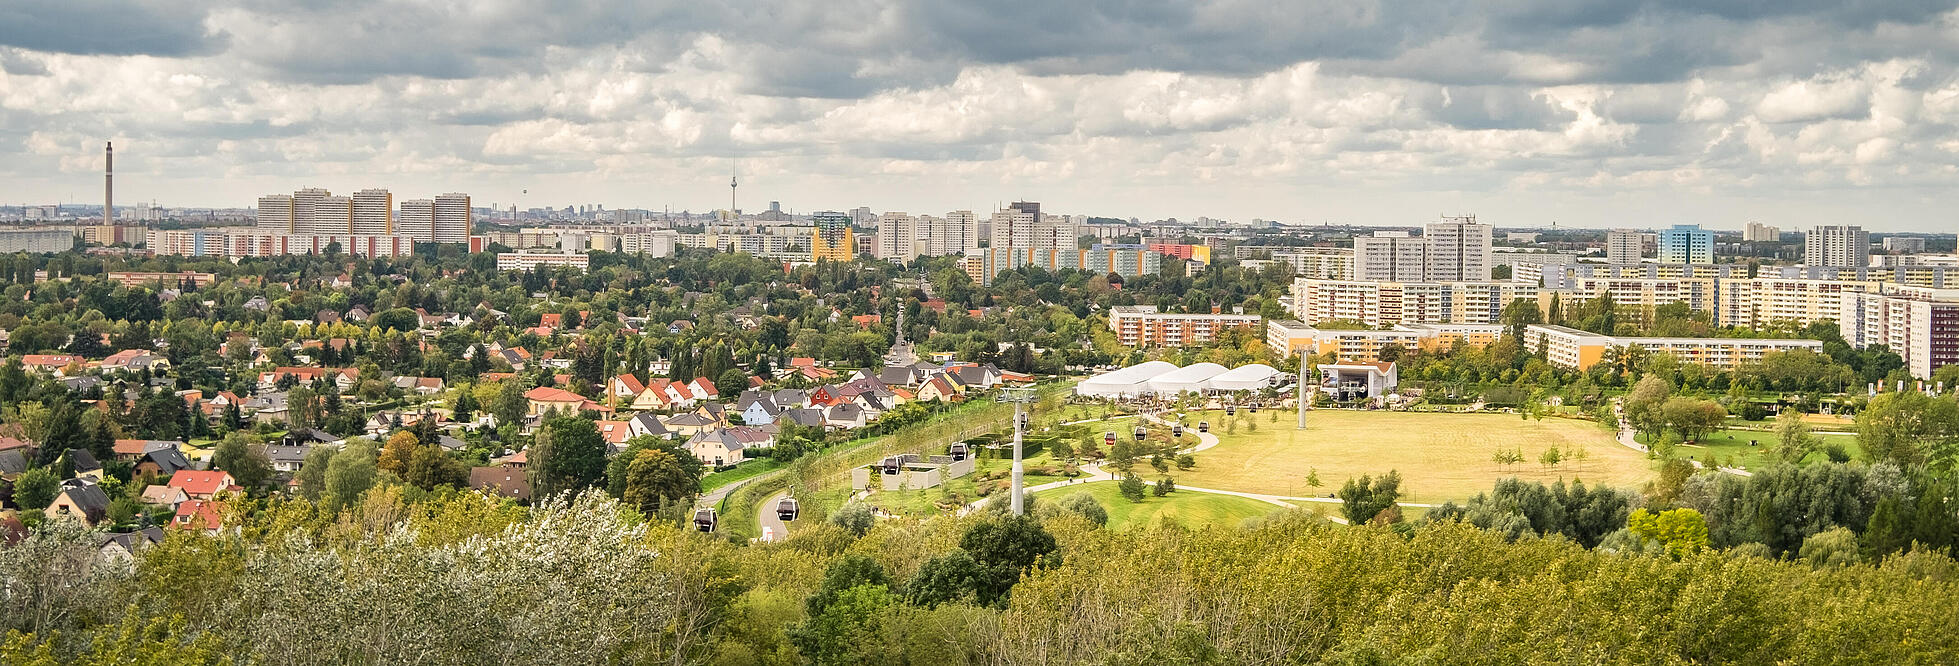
1626,437
1205,441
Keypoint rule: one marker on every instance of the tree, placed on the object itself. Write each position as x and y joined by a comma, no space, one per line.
1313,478
394,456
1831,548
350,473
1550,458
1086,506
1131,487
313,472
511,405
245,459
854,516
1187,461
36,489
1910,428
1004,548
464,408
1793,440
569,456
1693,418
655,479
429,466
1164,486
1681,531
1361,499
953,576
1644,406
731,382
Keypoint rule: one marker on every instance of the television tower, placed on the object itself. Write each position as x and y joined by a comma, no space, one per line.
731,193
109,183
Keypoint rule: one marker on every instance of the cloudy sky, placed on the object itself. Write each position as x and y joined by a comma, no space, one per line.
1582,112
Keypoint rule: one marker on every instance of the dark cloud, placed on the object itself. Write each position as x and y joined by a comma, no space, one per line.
107,27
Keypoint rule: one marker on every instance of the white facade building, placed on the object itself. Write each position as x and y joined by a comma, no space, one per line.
1845,246
1624,246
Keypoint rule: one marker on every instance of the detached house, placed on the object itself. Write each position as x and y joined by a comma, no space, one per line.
202,485
81,500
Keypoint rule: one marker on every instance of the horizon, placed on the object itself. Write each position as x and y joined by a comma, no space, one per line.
1366,114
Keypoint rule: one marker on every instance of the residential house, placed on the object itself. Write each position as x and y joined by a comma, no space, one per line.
757,409
939,388
703,389
85,465
548,400
716,447
200,515
157,494
502,481
258,303
690,423
287,458
624,389
810,417
615,433
13,463
82,500
49,363
121,547
419,385
134,360
844,415
203,485
162,463
644,424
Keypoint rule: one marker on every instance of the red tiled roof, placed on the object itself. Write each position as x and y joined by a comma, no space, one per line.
201,483
550,394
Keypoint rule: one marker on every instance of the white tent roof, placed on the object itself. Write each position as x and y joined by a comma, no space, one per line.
1245,378
1196,377
1124,382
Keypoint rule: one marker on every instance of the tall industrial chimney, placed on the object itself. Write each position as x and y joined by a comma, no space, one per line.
109,183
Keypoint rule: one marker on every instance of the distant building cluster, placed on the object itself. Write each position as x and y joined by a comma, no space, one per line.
371,212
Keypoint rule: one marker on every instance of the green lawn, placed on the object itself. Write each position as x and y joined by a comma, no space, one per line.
1731,445
1184,507
1440,456
746,470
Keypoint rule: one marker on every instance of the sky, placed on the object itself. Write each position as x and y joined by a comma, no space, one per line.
1586,113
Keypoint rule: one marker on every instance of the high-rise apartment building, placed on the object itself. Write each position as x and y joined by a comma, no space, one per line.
1757,232
1624,246
1845,246
1459,249
1022,236
452,218
1686,244
1390,256
332,215
832,238
275,213
374,212
1920,324
1904,244
417,220
304,203
897,236
956,233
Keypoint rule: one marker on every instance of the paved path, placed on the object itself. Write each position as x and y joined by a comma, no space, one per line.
713,499
1205,441
766,522
1626,437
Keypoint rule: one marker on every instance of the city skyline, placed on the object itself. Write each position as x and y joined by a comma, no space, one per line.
1375,115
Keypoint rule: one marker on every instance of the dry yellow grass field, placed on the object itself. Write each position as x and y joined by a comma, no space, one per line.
1440,456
